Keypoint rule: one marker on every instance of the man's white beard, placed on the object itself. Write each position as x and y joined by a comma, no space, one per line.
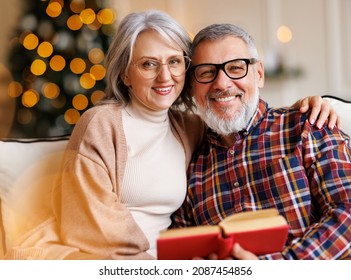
238,122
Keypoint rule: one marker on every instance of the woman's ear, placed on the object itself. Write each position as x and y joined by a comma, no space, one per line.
125,79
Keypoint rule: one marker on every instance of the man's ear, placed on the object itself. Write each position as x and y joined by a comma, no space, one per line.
260,74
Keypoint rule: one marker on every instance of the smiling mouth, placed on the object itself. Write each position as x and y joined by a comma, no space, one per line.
226,98
163,90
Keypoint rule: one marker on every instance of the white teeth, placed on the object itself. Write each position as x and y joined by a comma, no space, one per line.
163,89
225,99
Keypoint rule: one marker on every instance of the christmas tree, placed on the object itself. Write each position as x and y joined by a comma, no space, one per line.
56,61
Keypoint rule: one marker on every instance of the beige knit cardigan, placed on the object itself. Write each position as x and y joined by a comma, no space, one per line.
88,219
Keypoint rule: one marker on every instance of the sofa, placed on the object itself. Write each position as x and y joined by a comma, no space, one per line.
28,169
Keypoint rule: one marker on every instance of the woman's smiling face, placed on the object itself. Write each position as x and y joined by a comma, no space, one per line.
160,92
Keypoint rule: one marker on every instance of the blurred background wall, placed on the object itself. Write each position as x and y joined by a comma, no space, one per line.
305,45
317,59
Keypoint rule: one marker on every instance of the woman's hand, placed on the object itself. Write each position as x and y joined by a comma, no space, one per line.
321,111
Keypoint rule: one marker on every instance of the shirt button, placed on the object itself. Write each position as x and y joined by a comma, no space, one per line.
231,152
236,184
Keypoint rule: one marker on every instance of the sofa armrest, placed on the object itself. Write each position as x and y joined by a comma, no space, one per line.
28,170
343,108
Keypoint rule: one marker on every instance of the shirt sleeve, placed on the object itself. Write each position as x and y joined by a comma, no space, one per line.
327,160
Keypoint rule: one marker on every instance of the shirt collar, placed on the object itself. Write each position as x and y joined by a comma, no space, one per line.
258,116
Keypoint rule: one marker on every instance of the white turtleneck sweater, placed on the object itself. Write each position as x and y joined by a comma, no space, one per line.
154,183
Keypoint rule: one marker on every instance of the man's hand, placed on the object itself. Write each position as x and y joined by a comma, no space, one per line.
321,111
239,253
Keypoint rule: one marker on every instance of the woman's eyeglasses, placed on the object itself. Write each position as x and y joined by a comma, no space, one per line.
150,68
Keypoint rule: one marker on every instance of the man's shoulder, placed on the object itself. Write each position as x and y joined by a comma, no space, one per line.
286,113
283,110
279,122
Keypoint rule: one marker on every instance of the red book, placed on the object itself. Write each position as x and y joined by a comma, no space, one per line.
261,232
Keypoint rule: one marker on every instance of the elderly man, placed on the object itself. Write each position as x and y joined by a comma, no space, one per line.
256,157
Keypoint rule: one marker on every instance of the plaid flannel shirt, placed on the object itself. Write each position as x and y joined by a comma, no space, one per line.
279,161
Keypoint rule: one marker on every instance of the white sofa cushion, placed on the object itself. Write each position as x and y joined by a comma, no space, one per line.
28,170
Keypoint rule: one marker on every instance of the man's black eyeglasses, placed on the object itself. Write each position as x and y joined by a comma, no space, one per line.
235,69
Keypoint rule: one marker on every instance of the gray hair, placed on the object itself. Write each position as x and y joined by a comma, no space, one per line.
119,55
218,31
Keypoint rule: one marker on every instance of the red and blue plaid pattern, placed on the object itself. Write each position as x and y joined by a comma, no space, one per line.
284,162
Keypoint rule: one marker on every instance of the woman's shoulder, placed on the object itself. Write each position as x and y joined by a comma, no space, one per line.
100,116
190,127
186,118
98,122
101,111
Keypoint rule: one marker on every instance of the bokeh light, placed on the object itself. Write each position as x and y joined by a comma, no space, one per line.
77,6
15,89
87,16
45,49
95,25
50,90
106,16
38,67
31,41
57,63
80,102
87,81
24,116
30,98
77,65
74,22
284,34
98,71
96,55
54,9
96,96
72,116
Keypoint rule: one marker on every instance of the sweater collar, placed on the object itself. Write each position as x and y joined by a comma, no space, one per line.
138,111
